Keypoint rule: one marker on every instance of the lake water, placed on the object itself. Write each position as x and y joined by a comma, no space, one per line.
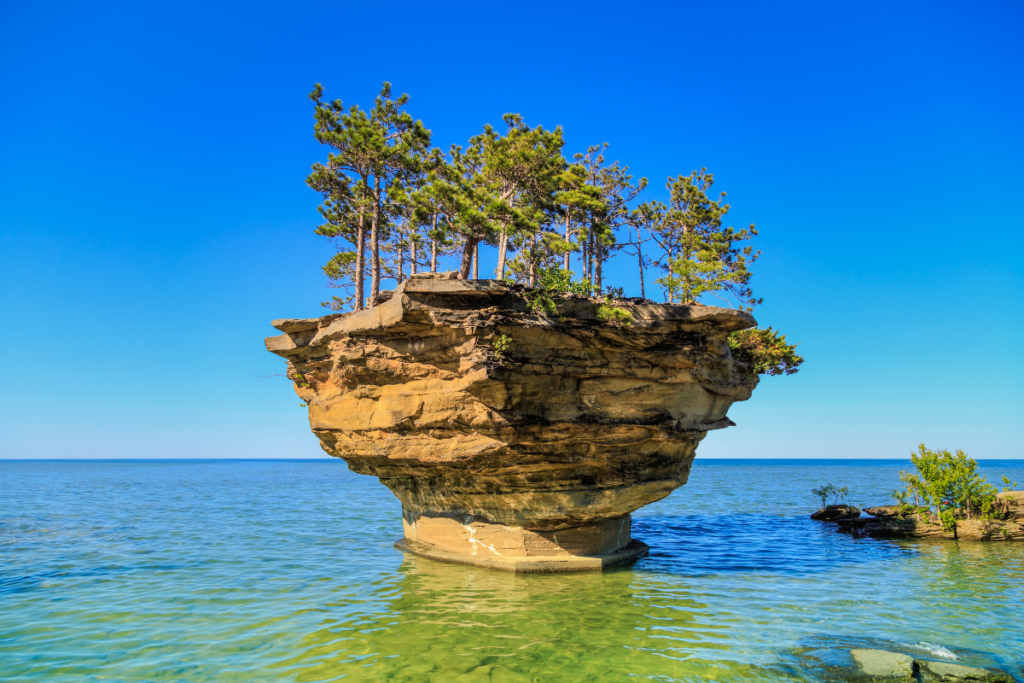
285,571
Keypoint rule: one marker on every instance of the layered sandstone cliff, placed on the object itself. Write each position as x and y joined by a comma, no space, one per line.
511,433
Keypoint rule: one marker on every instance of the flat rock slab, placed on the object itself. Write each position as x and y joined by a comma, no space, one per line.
883,665
535,565
956,673
833,513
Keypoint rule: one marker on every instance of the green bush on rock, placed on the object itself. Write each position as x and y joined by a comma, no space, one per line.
501,344
765,351
615,316
948,484
836,493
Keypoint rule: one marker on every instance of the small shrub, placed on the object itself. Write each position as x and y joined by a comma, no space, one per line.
904,510
1007,486
836,493
501,344
615,293
539,302
619,317
556,279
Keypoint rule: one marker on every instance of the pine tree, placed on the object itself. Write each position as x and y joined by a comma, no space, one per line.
617,191
427,211
379,148
451,199
516,178
577,199
343,214
333,128
400,145
700,256
642,219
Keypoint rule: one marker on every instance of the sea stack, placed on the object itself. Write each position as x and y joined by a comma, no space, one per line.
515,438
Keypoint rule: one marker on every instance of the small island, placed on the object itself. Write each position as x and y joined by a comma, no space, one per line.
945,497
517,439
1005,524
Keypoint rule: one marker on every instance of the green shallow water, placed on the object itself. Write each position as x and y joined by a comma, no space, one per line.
285,571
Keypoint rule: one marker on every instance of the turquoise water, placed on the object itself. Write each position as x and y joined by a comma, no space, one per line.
285,571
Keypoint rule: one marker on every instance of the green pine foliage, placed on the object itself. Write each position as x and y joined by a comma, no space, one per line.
372,153
764,352
700,256
392,205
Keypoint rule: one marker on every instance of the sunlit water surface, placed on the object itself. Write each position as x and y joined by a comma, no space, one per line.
285,571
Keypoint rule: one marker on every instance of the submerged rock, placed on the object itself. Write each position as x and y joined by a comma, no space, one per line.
831,513
957,673
882,665
876,660
516,439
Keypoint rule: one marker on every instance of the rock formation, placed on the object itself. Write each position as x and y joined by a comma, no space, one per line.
515,439
832,513
1006,522
864,665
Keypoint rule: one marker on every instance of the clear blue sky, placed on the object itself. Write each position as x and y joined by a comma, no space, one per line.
154,219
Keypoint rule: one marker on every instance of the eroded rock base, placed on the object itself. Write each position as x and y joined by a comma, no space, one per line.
536,565
468,540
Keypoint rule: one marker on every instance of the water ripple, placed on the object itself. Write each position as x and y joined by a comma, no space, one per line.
285,571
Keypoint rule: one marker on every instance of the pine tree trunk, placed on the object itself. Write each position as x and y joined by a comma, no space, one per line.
476,261
375,244
640,262
584,256
360,260
590,263
686,283
502,248
568,235
599,277
532,260
401,260
412,259
467,257
671,289
433,247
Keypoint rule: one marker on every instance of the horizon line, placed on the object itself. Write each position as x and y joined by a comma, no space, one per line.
328,458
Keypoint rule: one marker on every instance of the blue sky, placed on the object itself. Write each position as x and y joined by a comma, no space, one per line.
154,219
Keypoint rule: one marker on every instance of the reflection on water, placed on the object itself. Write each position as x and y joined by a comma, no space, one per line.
257,571
447,620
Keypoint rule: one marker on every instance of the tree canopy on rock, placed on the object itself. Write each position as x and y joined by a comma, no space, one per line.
393,205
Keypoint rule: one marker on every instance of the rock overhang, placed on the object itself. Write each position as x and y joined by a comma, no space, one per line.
576,422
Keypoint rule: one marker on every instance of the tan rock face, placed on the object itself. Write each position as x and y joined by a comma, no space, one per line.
470,537
576,422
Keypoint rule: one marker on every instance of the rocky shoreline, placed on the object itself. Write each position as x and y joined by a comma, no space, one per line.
885,521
